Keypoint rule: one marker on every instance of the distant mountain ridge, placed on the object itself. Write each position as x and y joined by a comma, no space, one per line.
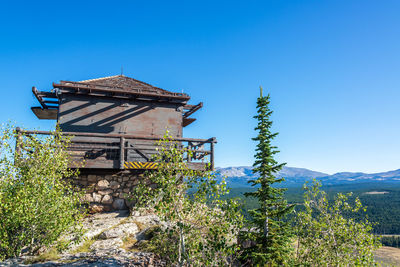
239,176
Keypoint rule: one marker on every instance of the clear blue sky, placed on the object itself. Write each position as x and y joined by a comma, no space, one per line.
332,68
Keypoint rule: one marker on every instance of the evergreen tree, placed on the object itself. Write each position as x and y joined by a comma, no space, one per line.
269,232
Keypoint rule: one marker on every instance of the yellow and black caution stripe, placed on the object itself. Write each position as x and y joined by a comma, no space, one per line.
140,165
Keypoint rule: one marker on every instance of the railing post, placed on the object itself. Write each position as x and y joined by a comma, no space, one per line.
17,143
212,152
189,157
122,153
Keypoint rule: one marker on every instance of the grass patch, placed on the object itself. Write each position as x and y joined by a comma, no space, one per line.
85,247
123,221
140,225
129,243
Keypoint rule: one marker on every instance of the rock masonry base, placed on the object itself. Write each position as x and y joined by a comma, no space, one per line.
108,190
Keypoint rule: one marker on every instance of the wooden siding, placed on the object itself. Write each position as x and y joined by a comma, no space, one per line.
80,113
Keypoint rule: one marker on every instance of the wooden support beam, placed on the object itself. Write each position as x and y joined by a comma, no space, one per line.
50,102
188,107
141,153
38,97
193,110
47,94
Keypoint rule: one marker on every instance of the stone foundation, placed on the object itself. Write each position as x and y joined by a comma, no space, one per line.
107,191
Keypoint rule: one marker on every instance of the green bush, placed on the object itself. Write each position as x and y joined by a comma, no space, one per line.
200,228
37,204
326,237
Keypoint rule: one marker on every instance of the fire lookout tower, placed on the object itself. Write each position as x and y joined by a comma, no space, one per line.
115,122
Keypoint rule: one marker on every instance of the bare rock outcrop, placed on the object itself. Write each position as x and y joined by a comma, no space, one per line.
107,241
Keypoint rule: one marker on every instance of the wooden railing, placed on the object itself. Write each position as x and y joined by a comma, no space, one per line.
122,151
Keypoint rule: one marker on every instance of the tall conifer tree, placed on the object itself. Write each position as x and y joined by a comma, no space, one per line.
270,232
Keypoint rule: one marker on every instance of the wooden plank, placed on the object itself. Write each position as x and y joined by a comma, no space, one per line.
199,166
187,121
73,147
127,136
95,139
96,164
122,153
45,114
138,142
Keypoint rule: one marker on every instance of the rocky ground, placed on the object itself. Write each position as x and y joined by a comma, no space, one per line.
109,240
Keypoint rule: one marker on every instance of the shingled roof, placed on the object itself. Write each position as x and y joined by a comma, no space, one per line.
125,82
121,84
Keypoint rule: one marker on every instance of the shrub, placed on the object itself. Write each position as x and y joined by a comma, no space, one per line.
37,204
328,236
200,228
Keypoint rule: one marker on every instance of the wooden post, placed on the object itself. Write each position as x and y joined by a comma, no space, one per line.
17,144
122,153
189,157
212,153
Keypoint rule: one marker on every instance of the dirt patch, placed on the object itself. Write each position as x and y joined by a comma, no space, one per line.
388,256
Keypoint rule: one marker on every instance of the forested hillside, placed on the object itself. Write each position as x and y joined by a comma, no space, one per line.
382,202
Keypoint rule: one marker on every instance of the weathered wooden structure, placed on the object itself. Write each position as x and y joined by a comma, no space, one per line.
115,122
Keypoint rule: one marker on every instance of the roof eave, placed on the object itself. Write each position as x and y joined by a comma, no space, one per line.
116,89
79,87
